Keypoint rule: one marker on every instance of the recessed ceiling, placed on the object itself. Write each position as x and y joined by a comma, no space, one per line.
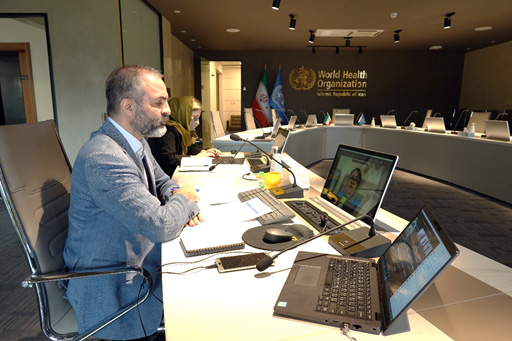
372,24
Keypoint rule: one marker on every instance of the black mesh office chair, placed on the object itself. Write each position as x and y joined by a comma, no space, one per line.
35,182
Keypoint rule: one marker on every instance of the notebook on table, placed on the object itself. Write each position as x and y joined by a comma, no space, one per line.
497,130
384,290
388,121
355,185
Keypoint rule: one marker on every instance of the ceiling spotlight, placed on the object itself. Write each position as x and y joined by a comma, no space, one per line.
293,21
360,50
275,4
311,36
448,20
347,41
397,36
313,50
337,50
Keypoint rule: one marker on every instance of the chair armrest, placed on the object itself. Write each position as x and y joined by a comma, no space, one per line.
52,277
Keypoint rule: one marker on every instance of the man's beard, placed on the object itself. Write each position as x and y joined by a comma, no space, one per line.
147,127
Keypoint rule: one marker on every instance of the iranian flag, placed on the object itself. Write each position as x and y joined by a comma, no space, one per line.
261,105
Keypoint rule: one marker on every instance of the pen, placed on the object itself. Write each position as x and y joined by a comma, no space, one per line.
173,188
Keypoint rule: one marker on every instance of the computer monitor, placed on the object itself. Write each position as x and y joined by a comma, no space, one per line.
358,179
435,125
497,130
388,121
311,122
291,122
343,119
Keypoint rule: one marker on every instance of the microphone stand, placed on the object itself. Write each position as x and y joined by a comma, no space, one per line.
212,167
407,118
264,263
286,191
263,134
390,111
305,113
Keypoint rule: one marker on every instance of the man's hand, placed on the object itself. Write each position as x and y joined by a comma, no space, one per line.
188,191
196,220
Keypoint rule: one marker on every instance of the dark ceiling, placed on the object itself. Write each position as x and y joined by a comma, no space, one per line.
202,24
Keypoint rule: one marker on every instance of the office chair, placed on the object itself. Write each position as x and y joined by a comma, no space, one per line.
218,128
35,179
249,119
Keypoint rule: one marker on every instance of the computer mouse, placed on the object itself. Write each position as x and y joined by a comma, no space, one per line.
277,235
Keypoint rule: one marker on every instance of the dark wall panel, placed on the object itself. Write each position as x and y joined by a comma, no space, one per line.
402,81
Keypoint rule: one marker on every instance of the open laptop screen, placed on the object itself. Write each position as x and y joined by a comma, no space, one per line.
358,180
412,262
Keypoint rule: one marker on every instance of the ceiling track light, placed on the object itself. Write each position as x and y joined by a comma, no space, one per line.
397,36
311,36
293,21
448,20
337,48
275,4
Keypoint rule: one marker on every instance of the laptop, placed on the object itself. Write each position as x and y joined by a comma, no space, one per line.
258,163
271,135
388,121
497,130
435,124
292,122
311,121
413,261
344,119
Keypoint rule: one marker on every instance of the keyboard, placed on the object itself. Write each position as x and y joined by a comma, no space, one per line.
220,159
314,216
279,212
347,290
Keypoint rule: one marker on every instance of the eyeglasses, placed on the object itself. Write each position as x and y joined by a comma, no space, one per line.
355,178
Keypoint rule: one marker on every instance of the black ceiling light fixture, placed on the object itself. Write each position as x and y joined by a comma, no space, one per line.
293,21
311,36
275,4
397,36
448,20
337,47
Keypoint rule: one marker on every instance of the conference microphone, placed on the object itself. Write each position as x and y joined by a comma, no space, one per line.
408,117
305,113
263,134
463,113
212,167
265,262
286,191
390,111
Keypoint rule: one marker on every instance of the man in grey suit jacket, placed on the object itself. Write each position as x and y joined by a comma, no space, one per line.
123,207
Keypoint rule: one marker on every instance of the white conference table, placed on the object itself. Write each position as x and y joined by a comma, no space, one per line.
470,301
475,163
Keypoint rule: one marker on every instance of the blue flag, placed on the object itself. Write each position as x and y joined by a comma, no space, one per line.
361,120
277,98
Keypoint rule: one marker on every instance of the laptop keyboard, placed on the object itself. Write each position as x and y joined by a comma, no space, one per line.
220,159
279,212
347,289
314,216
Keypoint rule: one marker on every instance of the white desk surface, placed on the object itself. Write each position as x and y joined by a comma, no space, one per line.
206,305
